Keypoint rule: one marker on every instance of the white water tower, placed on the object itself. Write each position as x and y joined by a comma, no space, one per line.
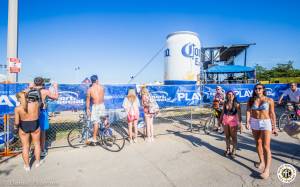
182,58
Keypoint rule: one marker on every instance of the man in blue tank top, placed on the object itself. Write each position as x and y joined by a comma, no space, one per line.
43,117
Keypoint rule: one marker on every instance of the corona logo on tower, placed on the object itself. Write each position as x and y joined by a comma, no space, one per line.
190,50
182,58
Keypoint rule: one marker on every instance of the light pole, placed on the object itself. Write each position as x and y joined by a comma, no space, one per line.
12,36
77,72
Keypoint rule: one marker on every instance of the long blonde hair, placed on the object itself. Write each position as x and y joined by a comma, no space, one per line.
131,95
23,100
144,91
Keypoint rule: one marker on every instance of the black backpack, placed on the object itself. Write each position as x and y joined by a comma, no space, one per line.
34,95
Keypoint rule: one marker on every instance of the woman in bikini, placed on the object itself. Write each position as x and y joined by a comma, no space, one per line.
261,118
26,120
231,120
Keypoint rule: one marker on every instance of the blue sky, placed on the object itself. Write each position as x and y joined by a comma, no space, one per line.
114,39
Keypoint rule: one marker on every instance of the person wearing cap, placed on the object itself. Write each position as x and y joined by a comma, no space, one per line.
218,102
95,100
231,119
43,116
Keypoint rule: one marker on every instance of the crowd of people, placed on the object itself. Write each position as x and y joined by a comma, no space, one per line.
95,110
31,117
260,118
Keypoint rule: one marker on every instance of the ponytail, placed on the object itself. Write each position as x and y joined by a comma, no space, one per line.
24,103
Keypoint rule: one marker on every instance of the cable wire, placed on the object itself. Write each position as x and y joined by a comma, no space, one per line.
147,64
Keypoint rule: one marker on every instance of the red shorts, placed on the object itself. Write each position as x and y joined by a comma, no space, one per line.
230,120
131,118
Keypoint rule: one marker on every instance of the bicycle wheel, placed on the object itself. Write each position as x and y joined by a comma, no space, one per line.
209,125
112,139
284,119
75,138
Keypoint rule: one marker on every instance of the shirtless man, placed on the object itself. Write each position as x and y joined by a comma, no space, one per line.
95,95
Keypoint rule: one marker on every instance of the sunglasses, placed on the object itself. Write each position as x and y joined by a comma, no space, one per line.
293,85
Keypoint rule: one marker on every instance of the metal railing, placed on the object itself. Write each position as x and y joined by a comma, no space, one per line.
190,118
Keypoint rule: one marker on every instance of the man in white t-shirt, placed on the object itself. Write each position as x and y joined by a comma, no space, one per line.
293,93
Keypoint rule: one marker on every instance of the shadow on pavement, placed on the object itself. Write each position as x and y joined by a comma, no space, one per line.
279,148
198,142
7,171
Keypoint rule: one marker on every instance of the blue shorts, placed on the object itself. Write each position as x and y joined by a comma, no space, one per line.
43,120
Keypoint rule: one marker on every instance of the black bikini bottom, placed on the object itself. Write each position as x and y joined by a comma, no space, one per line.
29,126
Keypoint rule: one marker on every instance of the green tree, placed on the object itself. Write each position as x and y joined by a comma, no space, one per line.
261,72
279,71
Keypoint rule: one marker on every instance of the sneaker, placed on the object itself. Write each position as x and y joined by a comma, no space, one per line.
38,164
92,140
26,168
227,152
221,131
93,144
44,153
135,140
130,141
152,139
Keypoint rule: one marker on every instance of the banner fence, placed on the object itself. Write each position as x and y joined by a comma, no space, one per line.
178,104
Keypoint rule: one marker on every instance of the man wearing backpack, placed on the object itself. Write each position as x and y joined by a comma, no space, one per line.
44,94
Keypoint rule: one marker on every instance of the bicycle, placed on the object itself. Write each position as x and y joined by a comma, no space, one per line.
287,116
110,137
210,124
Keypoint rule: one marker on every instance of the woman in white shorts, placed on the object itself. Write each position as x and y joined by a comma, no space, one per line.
261,118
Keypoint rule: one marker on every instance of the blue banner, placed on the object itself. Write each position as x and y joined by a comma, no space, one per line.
8,99
175,95
115,94
73,96
242,91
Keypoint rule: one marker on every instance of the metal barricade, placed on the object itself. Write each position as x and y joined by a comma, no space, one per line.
10,144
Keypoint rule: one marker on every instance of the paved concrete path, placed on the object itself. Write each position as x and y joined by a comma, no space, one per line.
174,159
